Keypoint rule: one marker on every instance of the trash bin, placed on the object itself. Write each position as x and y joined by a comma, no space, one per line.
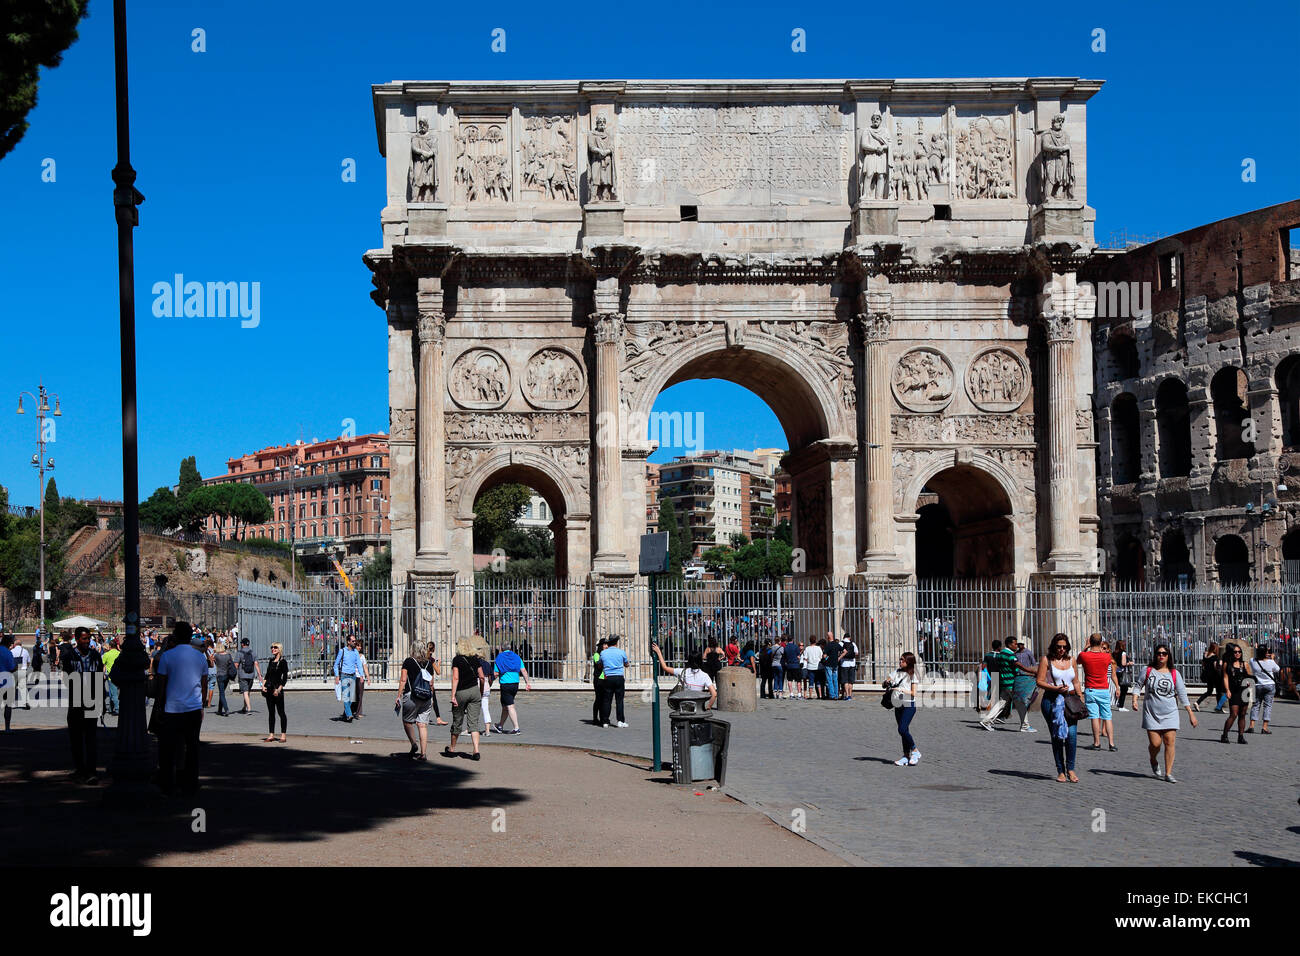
699,741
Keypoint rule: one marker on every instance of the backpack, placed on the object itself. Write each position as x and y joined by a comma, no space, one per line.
597,667
421,689
247,663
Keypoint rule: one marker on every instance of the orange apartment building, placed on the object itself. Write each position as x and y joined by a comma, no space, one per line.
330,498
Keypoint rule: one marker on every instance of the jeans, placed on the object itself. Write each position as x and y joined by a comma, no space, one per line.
1123,693
222,706
765,685
599,687
832,682
349,684
113,693
903,716
613,692
1263,702
778,680
179,731
1062,750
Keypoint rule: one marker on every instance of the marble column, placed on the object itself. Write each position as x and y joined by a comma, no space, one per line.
1058,315
431,433
875,323
607,332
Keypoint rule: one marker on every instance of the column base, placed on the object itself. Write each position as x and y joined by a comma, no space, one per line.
611,564
882,563
1068,562
433,563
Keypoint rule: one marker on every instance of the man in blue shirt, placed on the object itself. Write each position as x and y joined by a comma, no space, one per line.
347,665
8,677
612,662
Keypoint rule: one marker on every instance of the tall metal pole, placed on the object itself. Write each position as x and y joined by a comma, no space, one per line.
131,753
654,666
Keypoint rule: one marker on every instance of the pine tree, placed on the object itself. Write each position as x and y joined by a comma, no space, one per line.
679,546
189,478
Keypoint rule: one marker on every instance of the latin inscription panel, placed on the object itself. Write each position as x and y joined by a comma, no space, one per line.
755,155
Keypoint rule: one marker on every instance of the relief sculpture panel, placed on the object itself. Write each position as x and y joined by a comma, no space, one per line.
554,378
480,378
923,380
548,167
997,380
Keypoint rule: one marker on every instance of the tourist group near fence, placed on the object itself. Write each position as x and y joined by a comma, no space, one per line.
949,625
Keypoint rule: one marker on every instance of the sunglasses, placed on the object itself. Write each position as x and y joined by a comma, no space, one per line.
1162,653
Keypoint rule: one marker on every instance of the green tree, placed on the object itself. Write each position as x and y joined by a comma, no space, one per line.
5,520
762,559
247,506
379,572
739,540
161,510
526,543
51,501
72,515
189,478
719,559
34,34
495,511
679,542
783,531
199,505
20,559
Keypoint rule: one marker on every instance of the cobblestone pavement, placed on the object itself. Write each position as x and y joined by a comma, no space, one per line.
976,798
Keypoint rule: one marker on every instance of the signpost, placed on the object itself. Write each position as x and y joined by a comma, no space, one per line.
654,562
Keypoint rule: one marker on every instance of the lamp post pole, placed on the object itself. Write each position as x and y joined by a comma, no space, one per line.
131,758
42,400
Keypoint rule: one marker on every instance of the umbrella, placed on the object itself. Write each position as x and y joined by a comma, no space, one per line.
78,620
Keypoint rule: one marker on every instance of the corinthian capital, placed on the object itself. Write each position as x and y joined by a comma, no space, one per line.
607,326
875,326
432,327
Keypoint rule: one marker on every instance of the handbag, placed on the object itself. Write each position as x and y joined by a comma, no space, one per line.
1075,709
887,698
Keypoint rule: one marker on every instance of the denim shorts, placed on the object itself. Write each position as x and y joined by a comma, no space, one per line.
1098,701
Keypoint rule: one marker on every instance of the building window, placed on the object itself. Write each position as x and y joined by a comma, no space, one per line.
336,529
1173,429
376,484
1288,397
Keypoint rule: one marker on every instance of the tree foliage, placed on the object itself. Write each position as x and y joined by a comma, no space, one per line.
34,34
496,511
161,510
679,541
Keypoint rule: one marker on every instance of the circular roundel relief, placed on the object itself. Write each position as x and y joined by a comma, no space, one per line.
480,378
923,380
997,380
554,378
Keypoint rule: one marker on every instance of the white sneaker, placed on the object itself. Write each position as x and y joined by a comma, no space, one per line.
1155,769
1027,730
621,724
986,725
901,762
915,758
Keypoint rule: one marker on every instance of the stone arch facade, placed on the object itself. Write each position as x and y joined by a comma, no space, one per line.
895,327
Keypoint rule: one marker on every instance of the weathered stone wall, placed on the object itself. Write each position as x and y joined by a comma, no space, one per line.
1210,299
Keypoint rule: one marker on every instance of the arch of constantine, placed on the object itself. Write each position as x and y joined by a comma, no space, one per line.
889,264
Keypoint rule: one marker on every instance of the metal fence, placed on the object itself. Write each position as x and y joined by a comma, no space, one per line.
950,624
310,625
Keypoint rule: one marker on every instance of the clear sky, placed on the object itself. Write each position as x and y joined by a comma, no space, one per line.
239,151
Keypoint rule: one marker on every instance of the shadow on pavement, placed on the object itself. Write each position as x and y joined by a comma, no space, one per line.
1022,774
248,792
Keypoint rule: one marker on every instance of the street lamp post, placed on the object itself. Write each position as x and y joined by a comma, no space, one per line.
39,462
131,759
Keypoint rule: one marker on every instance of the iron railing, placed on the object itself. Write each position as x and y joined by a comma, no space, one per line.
554,624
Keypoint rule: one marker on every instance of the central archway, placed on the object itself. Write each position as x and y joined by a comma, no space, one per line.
811,395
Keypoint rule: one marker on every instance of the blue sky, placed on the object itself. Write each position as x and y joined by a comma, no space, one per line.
239,151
